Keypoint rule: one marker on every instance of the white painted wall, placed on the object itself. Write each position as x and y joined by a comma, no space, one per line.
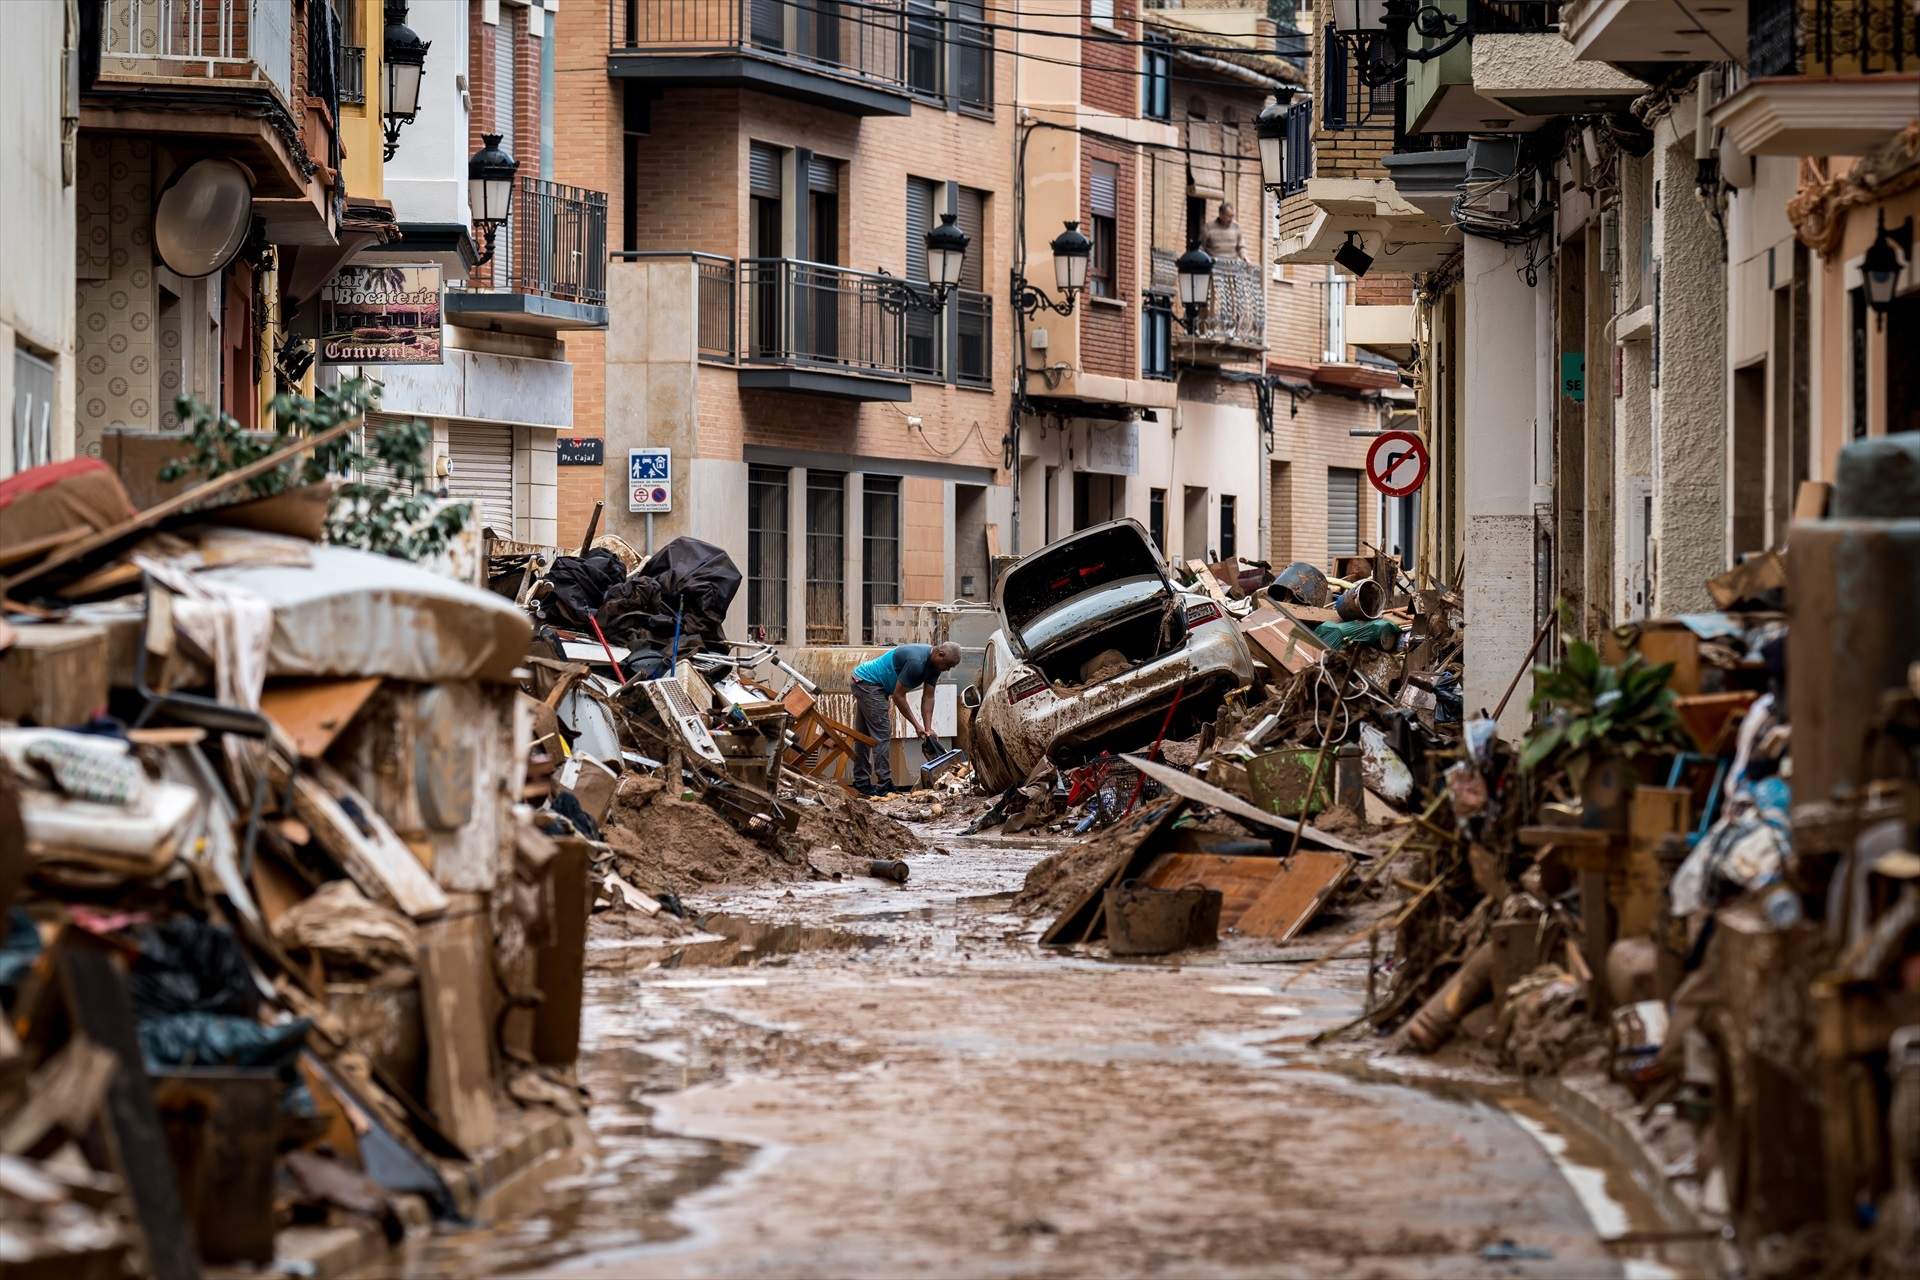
1498,467
427,177
36,214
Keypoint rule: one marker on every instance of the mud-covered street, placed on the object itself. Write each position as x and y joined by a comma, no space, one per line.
897,1081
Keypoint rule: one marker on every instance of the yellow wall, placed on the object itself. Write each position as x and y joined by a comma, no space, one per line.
360,132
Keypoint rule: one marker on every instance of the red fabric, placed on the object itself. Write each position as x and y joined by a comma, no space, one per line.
35,479
81,493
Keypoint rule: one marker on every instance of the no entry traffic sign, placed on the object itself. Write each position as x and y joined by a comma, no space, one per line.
1397,463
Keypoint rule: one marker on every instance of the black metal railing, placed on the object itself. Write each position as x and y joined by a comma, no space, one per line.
715,308
812,313
1831,37
858,41
555,244
1236,310
352,75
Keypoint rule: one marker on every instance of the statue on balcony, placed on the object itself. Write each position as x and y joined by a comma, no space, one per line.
1222,239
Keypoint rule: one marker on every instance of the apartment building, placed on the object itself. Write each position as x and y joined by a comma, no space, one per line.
36,208
211,206
515,281
773,170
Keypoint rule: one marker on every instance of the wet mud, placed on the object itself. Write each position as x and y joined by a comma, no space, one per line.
861,1079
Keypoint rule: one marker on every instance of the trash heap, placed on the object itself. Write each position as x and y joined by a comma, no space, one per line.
1279,809
284,946
685,759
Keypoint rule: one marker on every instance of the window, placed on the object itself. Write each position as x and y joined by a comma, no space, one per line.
767,239
767,553
34,381
1229,543
1156,337
1156,80
880,548
972,54
1100,11
1157,518
1103,201
972,308
1343,511
924,49
826,557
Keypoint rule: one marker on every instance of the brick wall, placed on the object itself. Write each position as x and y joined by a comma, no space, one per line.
1377,290
1108,77
1306,446
1107,336
923,538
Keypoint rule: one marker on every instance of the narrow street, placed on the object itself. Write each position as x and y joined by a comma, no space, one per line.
898,1082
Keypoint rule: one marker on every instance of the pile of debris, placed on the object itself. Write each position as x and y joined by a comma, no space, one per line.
685,759
283,944
1280,807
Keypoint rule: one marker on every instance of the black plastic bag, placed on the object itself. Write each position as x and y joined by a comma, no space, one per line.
218,1040
580,586
187,965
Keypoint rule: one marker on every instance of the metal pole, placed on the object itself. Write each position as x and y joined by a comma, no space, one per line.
649,533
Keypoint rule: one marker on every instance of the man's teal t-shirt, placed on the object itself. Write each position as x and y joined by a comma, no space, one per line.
905,666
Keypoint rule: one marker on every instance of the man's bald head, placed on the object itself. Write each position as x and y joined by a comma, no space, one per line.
946,656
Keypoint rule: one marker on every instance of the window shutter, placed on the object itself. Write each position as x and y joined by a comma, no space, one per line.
769,24
763,170
1343,511
482,458
1103,182
823,174
1204,177
919,222
972,210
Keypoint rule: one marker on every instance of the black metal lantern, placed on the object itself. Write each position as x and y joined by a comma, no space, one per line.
1195,271
1072,253
490,190
405,60
1270,126
1376,31
1882,264
946,254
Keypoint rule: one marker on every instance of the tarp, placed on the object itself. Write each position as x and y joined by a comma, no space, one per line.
689,578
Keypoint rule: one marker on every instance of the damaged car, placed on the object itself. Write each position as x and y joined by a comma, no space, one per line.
1096,643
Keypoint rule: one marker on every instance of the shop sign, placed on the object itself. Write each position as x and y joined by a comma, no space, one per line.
381,315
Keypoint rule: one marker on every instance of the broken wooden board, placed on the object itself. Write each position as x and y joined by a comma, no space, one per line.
1085,919
1304,885
376,860
1240,880
1182,783
1286,644
455,977
313,712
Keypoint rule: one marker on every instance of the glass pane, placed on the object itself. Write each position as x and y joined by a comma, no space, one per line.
880,547
767,552
826,557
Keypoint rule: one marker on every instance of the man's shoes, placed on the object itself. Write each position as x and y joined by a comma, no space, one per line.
869,790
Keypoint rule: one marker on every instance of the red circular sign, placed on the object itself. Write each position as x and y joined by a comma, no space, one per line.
1397,463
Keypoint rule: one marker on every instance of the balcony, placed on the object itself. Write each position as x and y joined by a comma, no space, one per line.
231,43
1233,326
851,57
1641,35
1824,77
352,74
549,270
1445,95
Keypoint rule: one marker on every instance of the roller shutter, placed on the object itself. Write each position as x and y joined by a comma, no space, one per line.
1343,511
823,174
971,211
763,170
376,472
482,458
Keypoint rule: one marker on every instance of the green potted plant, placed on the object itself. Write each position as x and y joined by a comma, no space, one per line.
1595,721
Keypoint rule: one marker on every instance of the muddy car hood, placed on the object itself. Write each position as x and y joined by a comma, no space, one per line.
1058,592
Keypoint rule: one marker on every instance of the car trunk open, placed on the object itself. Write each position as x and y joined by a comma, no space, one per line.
1092,606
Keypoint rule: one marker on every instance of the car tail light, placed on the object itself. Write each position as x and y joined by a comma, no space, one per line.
1206,611
1026,686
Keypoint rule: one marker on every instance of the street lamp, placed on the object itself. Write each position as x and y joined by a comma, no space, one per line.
946,255
1271,128
490,190
1072,251
405,58
1885,258
1195,269
1377,30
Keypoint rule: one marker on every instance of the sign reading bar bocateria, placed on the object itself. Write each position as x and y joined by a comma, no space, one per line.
381,315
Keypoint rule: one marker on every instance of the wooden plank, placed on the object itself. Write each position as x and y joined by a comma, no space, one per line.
993,541
455,974
313,712
376,860
179,502
1636,887
1085,919
54,675
1180,782
1303,886
1240,880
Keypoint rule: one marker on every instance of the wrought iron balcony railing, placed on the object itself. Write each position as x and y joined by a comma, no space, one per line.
864,41
353,74
1236,310
555,244
1832,37
225,41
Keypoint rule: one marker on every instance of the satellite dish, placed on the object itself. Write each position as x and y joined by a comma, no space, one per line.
203,217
